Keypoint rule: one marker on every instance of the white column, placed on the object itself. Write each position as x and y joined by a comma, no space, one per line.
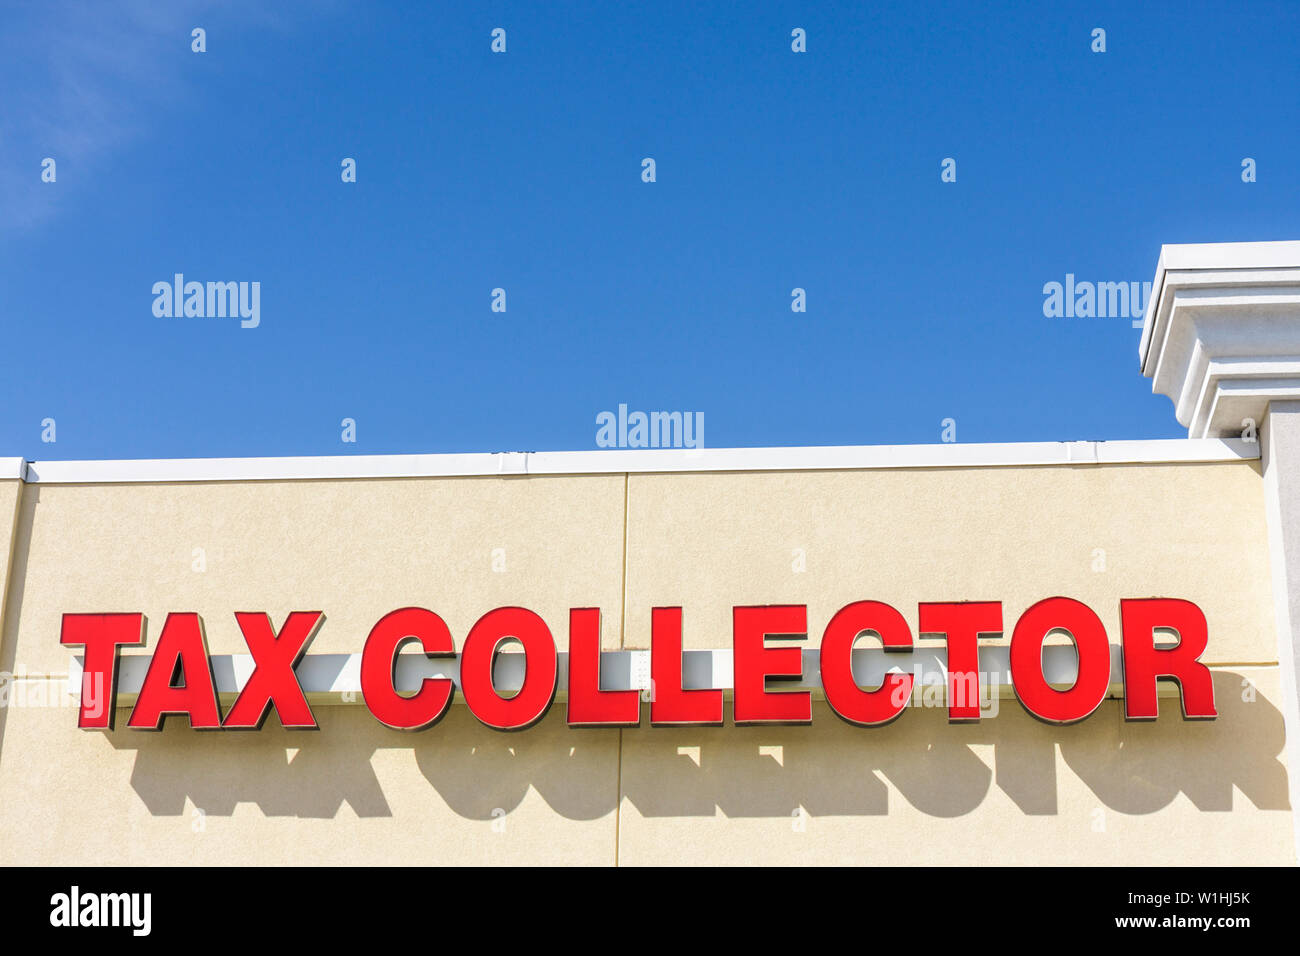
1221,338
1280,451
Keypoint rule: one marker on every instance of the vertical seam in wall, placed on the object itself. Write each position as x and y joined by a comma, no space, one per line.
618,796
622,631
622,617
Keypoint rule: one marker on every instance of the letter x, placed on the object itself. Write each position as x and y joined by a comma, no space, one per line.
273,680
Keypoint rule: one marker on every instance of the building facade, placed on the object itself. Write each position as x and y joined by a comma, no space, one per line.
1212,520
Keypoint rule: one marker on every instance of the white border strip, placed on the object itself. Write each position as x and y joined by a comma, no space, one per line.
812,458
336,678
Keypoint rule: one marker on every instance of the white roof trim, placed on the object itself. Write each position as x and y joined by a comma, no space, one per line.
645,461
11,468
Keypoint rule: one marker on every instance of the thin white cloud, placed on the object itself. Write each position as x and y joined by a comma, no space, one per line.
83,78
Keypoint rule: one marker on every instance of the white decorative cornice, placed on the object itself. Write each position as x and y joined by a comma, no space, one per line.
1221,336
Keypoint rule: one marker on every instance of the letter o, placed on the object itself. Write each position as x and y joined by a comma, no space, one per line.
480,652
1089,690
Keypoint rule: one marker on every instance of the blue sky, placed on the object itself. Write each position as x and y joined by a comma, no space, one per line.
522,171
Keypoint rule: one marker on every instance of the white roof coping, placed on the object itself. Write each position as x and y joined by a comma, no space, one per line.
642,461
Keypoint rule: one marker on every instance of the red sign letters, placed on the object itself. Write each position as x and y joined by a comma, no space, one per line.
179,679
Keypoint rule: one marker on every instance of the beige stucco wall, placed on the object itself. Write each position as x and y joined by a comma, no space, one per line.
1008,790
1018,535
353,549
